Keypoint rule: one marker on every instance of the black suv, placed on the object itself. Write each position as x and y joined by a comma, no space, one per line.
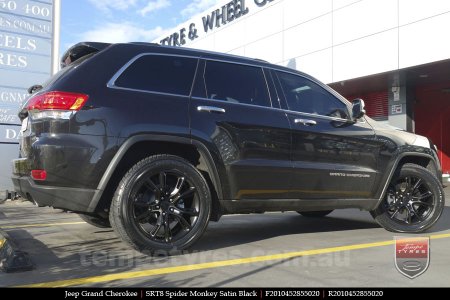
157,141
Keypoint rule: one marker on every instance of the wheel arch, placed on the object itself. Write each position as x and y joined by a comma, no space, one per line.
422,159
138,147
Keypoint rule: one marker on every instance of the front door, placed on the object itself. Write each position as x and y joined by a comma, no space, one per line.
333,157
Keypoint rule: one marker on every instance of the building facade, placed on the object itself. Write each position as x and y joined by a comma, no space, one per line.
395,54
29,43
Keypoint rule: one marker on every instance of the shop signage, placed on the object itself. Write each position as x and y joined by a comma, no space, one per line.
26,35
226,14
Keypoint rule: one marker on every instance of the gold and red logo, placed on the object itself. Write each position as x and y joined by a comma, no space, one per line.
412,255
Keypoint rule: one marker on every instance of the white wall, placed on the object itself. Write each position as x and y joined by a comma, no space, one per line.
336,40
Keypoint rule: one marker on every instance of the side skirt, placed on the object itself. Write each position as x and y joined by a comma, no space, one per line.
260,206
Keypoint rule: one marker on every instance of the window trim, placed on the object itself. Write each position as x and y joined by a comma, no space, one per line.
112,82
241,64
323,85
320,85
267,66
238,104
328,118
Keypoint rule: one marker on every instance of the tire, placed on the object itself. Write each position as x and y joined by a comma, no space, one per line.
162,205
315,214
413,203
95,221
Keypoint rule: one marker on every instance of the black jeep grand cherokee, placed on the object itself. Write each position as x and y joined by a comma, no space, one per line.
156,141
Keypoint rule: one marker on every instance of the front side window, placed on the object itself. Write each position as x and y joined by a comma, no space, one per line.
236,83
162,74
303,95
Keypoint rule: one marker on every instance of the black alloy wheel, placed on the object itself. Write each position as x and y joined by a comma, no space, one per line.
163,203
413,203
410,200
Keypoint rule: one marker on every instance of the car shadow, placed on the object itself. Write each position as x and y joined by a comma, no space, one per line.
234,231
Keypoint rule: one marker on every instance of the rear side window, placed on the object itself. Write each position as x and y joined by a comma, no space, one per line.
162,74
236,83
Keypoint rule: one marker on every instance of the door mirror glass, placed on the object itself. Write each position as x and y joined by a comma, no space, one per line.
358,109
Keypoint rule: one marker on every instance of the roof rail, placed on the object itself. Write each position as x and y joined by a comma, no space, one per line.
145,44
261,60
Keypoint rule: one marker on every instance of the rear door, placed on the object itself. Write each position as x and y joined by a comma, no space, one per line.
333,157
234,114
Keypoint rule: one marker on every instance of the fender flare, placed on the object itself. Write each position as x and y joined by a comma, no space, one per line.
394,168
201,148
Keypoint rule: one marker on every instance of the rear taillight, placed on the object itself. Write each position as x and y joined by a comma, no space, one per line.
39,175
55,104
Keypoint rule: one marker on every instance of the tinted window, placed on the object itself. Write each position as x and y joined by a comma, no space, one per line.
164,74
236,83
303,95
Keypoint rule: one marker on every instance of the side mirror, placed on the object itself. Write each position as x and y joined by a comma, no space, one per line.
358,109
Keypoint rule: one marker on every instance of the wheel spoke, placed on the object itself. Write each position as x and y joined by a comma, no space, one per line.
416,213
395,213
187,193
408,216
406,185
156,230
149,184
162,180
423,203
178,186
189,211
186,226
416,185
158,226
167,231
143,216
424,196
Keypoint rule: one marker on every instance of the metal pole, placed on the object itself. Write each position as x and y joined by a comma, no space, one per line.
56,35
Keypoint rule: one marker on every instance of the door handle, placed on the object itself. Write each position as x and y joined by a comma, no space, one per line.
211,109
305,122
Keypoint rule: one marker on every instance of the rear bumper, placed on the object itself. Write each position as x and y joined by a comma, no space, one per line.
73,199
